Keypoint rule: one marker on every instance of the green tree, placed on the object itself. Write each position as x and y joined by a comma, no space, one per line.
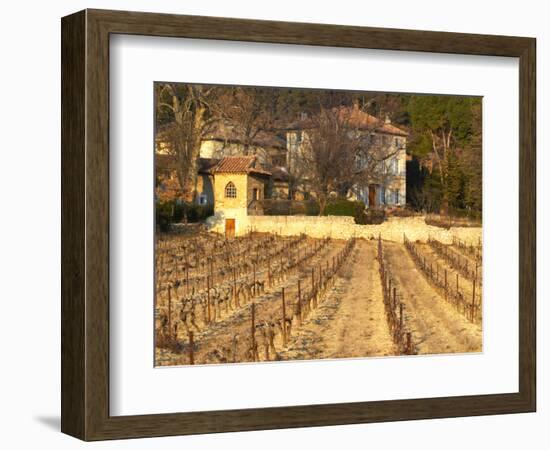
472,162
443,127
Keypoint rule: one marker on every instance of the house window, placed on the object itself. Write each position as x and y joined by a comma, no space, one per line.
396,196
393,166
230,190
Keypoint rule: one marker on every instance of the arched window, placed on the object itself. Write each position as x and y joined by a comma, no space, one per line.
230,190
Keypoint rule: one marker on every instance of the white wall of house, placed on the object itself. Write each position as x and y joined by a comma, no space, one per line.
218,149
391,192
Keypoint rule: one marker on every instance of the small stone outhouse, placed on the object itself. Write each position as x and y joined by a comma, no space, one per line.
239,186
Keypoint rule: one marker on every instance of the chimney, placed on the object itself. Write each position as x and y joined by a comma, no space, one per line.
387,120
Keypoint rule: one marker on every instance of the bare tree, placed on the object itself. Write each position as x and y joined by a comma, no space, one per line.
249,111
340,152
191,111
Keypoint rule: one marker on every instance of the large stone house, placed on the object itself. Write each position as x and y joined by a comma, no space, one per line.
387,186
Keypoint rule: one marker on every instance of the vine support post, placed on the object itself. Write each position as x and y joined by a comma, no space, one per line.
170,310
473,298
253,329
446,287
254,278
299,312
191,349
284,317
208,299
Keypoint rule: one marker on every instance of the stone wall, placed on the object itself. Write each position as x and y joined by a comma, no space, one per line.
221,202
216,223
342,227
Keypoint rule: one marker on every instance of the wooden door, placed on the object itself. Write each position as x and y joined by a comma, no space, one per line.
372,196
229,228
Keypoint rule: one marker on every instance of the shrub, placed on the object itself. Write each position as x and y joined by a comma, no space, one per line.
306,208
169,212
450,221
404,211
274,207
471,214
373,217
164,215
355,209
312,208
342,207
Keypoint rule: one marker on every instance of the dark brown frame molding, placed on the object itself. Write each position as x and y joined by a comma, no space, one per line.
85,224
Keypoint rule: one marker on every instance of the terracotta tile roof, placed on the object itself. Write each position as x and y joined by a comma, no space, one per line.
356,118
239,164
235,164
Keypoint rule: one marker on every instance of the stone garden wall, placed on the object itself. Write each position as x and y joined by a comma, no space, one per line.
343,227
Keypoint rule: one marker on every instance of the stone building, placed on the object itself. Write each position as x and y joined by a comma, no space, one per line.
234,178
239,184
268,150
387,186
226,140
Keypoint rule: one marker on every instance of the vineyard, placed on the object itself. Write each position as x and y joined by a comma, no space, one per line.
265,297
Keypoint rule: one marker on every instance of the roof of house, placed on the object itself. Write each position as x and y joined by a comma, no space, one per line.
229,133
239,164
356,118
225,132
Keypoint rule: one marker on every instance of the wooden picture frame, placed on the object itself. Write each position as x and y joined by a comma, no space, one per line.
85,224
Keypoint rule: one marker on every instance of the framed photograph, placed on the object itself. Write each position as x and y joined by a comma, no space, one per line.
272,225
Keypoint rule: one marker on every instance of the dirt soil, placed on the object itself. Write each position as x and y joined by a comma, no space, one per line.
435,324
351,322
217,337
465,285
350,319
